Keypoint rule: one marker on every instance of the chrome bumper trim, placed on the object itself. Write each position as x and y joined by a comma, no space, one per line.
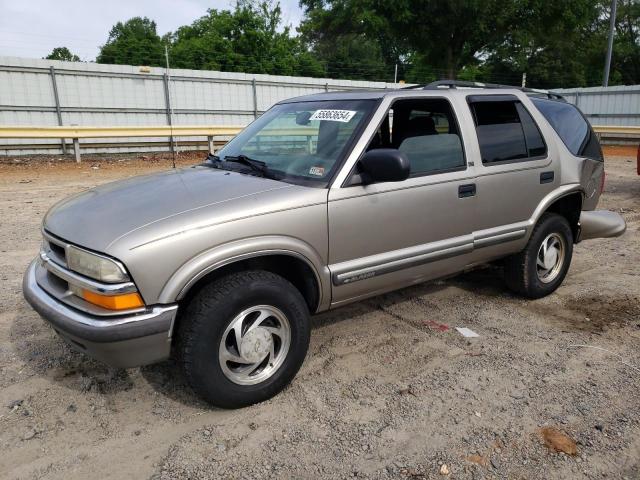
96,329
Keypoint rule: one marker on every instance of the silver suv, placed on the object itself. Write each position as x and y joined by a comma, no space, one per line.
324,200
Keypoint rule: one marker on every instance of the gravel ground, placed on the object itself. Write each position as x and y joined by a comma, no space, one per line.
389,389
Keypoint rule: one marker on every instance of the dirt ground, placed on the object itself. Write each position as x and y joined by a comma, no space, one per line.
389,388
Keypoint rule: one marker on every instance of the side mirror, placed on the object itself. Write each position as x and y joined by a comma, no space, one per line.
384,165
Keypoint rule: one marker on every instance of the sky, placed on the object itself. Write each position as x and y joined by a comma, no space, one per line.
32,28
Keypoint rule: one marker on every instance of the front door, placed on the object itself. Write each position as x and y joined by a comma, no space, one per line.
387,235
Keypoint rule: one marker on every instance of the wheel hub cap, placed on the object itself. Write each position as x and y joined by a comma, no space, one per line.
256,344
550,259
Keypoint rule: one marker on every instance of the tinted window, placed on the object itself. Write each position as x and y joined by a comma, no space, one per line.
506,132
533,137
427,132
570,126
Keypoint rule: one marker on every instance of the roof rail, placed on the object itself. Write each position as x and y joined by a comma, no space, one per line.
464,84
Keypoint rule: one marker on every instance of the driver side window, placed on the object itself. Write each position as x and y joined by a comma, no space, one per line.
427,132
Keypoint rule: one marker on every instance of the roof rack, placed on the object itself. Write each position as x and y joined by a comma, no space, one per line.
464,84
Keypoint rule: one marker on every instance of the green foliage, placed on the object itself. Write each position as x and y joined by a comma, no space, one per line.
134,42
553,44
62,53
558,44
352,40
448,35
626,49
249,39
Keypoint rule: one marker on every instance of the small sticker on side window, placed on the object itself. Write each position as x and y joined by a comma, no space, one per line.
333,115
317,171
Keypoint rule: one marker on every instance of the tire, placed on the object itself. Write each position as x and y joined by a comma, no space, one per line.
258,304
526,272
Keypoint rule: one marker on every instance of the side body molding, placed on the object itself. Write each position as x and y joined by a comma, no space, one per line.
208,261
506,239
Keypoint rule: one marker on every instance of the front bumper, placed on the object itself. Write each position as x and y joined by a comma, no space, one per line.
123,341
600,224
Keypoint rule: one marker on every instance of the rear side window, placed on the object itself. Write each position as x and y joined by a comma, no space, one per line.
506,131
570,126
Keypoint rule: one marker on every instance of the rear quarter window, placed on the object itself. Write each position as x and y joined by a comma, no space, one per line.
571,126
506,131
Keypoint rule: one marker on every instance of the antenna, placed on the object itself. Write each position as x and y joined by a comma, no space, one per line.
169,104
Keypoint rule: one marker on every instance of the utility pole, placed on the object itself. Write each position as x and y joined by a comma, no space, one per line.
167,85
524,79
612,26
395,75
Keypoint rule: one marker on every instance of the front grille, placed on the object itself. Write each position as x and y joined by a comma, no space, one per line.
57,282
55,249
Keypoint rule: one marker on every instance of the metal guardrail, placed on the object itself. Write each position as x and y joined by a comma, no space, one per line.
618,135
78,132
106,132
617,130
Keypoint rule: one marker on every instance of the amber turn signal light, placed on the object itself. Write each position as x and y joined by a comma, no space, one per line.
114,302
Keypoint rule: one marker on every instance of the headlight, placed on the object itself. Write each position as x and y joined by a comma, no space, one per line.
95,266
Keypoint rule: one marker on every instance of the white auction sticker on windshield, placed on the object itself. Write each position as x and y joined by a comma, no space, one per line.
333,115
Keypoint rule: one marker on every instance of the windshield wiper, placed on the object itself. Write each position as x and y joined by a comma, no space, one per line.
255,165
212,161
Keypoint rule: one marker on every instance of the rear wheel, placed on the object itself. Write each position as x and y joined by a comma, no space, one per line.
243,338
540,268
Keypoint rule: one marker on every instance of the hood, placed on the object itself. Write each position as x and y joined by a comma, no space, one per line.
98,217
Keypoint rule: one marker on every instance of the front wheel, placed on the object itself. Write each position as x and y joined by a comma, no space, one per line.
243,338
541,267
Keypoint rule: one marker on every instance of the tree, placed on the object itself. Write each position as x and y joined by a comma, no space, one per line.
351,39
250,38
449,35
436,38
626,49
554,44
62,53
134,42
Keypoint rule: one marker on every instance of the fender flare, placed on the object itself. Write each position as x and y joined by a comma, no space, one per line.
221,255
550,199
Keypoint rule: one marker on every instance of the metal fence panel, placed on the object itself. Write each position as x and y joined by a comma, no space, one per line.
607,105
110,95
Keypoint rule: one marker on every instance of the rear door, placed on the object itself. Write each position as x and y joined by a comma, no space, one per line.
516,168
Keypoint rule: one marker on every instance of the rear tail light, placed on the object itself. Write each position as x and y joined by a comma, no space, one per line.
602,180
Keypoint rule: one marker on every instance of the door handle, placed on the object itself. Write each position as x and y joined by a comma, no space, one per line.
468,190
546,177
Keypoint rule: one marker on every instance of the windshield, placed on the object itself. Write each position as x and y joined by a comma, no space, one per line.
302,142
